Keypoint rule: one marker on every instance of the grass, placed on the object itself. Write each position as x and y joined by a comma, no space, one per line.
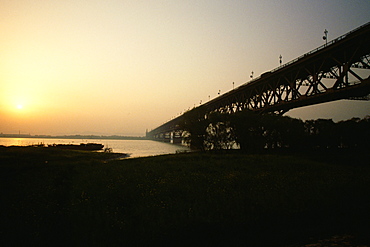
81,199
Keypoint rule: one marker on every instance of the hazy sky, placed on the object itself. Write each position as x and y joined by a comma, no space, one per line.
121,67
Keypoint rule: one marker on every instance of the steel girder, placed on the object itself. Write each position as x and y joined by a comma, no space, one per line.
330,73
338,70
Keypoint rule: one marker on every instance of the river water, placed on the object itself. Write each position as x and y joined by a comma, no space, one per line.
136,148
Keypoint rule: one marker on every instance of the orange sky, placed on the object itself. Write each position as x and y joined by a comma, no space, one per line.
121,67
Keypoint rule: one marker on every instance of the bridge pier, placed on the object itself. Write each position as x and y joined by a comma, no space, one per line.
174,137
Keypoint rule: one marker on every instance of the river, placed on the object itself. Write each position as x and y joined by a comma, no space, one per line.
136,148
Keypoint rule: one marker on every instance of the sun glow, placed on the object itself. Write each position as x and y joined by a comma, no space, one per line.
18,104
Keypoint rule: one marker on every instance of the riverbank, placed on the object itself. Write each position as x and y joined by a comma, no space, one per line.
74,198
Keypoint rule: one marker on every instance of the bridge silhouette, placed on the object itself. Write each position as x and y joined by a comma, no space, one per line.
337,70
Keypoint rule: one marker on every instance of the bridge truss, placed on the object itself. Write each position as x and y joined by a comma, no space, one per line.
331,72
337,70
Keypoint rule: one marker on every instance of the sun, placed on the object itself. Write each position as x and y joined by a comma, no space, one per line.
21,105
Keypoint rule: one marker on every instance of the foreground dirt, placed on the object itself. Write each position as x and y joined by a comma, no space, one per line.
334,241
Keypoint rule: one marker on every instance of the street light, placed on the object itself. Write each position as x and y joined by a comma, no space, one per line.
325,37
233,85
281,57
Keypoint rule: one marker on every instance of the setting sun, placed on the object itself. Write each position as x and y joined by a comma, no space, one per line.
20,106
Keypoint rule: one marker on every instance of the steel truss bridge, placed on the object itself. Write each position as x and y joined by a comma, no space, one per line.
337,70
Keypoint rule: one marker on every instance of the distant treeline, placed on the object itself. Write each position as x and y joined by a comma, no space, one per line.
73,136
253,132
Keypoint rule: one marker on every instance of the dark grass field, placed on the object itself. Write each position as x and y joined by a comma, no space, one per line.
53,197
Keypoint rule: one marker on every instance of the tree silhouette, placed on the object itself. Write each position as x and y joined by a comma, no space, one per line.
255,132
354,133
321,133
194,125
248,130
219,133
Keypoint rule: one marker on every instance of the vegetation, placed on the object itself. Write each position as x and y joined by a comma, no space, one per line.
254,132
73,198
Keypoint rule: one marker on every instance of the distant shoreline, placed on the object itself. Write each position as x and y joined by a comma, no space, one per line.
113,137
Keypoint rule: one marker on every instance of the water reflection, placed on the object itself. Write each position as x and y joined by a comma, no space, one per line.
136,148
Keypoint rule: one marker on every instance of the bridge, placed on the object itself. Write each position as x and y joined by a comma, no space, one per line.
337,70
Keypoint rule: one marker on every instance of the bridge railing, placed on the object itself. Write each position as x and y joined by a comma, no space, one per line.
320,47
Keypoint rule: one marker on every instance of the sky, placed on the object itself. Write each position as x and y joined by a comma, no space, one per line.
118,67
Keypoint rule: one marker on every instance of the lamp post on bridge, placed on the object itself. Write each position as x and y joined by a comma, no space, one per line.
281,57
325,37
